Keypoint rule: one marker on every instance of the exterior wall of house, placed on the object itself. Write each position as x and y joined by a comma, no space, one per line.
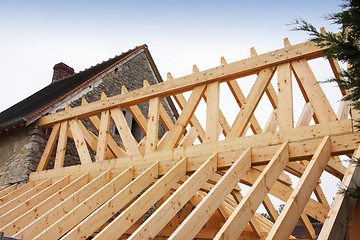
21,148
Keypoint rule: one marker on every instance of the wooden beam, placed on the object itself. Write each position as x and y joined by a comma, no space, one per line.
124,131
33,201
21,222
103,136
299,197
8,189
307,50
252,100
139,207
61,147
212,111
94,221
285,98
54,214
79,140
206,208
313,91
242,214
85,208
340,213
152,125
12,195
95,122
48,148
170,140
302,145
158,220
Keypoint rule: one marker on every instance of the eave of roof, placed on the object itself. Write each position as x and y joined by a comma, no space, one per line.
36,104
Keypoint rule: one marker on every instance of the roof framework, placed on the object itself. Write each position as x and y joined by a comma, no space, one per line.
189,179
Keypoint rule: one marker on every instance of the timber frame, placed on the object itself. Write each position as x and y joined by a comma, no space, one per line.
189,179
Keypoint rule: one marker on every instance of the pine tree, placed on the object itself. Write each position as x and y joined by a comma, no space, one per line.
343,46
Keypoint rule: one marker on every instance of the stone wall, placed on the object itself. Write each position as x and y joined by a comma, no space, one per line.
20,151
21,148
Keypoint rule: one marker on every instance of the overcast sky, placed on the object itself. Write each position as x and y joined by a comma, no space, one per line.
35,35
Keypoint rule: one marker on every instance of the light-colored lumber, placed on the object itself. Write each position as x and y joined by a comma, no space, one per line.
61,147
46,220
95,122
79,140
37,211
270,208
136,113
163,114
339,215
189,137
302,144
139,207
24,197
103,134
308,226
116,203
313,91
170,140
307,50
8,189
10,196
205,209
76,215
299,197
50,144
212,111
252,101
124,131
152,125
33,201
176,201
242,214
285,104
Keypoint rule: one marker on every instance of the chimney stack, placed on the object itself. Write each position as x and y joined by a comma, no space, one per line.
61,71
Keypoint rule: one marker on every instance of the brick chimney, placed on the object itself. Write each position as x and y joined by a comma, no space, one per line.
61,71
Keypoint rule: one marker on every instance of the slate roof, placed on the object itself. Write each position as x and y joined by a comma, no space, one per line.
37,103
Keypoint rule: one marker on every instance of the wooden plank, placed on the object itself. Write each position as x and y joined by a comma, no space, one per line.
158,220
139,207
270,208
124,131
212,111
8,189
344,110
170,140
21,222
103,133
308,226
189,137
33,201
302,145
240,99
48,148
80,144
137,114
23,197
95,122
61,147
313,91
152,125
307,50
306,115
94,221
285,98
164,115
272,123
342,207
12,195
85,208
206,208
252,100
47,219
242,214
299,197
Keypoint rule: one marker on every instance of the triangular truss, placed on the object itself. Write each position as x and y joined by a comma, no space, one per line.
186,184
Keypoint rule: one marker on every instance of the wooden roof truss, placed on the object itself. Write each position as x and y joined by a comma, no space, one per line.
186,184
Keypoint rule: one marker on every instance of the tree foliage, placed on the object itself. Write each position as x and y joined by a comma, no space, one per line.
343,46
